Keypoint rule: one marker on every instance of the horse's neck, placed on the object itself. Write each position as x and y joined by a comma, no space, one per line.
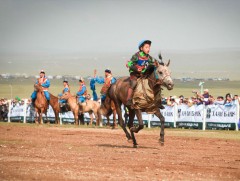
72,101
152,80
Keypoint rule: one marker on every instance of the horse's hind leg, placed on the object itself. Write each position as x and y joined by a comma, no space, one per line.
114,120
162,119
120,120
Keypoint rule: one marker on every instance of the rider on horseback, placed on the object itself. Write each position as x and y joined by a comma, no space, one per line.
45,83
82,92
140,64
107,81
66,89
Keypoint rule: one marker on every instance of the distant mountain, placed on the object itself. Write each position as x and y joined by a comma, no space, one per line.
224,63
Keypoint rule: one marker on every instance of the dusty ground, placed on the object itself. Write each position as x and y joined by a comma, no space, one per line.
29,152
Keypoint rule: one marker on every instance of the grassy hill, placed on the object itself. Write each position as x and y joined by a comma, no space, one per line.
199,64
24,87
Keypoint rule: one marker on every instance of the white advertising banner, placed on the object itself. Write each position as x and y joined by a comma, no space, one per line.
17,110
221,114
168,113
190,114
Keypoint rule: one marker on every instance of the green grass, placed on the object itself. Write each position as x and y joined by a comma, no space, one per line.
24,87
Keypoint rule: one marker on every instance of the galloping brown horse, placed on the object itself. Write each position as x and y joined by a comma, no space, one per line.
118,93
89,106
41,105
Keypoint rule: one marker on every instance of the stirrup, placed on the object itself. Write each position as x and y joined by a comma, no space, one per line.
129,102
161,106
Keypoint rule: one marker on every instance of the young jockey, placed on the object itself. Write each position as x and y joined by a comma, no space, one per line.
45,83
107,81
82,92
140,63
66,89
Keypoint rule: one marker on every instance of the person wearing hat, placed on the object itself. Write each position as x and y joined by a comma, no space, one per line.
45,83
107,82
140,63
66,88
82,92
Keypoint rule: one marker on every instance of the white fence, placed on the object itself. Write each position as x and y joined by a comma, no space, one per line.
199,117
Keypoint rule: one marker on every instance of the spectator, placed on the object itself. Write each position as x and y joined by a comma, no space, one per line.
204,96
219,101
211,99
236,99
199,101
228,100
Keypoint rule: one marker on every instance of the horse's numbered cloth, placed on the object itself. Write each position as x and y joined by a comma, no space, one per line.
143,97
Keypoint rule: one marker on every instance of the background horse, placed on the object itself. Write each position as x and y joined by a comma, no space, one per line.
41,105
118,93
108,113
88,106
56,107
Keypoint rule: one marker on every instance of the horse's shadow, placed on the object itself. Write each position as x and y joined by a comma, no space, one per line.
125,146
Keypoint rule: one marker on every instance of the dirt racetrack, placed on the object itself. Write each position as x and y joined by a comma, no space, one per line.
33,152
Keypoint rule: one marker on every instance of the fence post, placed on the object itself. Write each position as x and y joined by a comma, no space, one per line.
9,110
204,117
60,118
237,107
149,120
25,111
175,115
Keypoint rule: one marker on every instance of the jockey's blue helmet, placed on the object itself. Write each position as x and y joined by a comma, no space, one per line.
143,42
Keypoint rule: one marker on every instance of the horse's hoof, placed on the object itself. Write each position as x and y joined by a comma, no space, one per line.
129,140
133,129
161,142
135,146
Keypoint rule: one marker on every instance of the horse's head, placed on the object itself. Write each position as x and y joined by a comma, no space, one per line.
164,74
37,87
65,95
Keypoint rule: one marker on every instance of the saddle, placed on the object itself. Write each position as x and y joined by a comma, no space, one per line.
143,96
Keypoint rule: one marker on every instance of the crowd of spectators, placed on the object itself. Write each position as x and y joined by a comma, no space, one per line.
199,99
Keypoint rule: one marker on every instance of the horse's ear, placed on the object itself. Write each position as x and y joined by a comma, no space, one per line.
168,63
156,63
160,56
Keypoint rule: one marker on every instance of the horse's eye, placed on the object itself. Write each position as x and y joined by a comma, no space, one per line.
160,73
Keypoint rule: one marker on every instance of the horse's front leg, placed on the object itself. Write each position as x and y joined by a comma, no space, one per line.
76,118
140,121
162,119
40,117
130,125
91,118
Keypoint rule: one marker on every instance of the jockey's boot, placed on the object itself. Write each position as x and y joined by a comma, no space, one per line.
33,102
129,97
48,103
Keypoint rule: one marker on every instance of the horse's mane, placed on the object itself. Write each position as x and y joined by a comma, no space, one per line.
52,96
